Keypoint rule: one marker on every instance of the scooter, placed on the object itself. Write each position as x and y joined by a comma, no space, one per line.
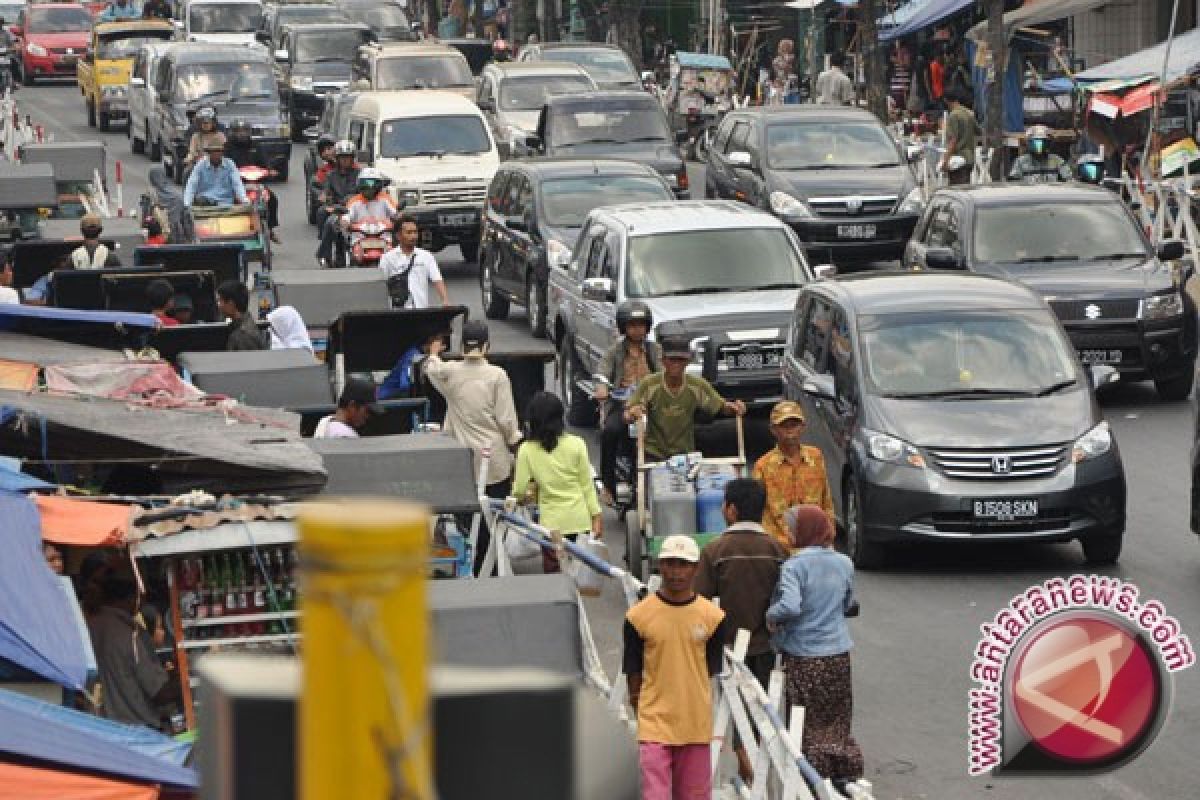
366,242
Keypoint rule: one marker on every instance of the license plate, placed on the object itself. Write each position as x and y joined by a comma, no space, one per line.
1089,357
373,244
752,360
1004,510
457,219
856,231
68,61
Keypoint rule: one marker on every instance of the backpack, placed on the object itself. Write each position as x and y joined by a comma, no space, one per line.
397,284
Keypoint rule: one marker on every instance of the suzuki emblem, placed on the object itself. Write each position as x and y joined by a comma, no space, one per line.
854,204
1092,311
1001,465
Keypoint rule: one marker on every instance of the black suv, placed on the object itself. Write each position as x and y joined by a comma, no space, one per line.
833,174
313,62
1083,251
534,212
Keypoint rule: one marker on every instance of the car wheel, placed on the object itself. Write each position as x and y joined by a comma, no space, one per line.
104,121
535,305
494,306
27,76
91,114
470,249
634,545
1102,550
1176,389
155,147
582,411
865,554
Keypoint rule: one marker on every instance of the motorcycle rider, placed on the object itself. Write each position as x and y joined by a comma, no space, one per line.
631,358
501,52
327,161
239,148
1039,165
339,185
206,132
371,202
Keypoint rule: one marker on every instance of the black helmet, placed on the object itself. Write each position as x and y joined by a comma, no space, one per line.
240,131
633,311
325,140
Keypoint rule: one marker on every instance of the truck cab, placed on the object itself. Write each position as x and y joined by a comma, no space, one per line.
104,71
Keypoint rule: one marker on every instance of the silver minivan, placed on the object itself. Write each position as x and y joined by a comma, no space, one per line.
142,98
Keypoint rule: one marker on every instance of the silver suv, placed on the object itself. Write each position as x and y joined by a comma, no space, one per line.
511,96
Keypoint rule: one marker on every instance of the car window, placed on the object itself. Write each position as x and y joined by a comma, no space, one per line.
816,336
841,360
524,198
935,234
751,144
356,133
799,326
584,249
723,135
953,231
513,207
485,89
737,139
498,192
596,258
1056,232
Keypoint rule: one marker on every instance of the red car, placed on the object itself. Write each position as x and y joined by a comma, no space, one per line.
51,37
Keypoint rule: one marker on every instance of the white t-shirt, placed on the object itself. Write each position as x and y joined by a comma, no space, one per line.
423,274
330,428
9,295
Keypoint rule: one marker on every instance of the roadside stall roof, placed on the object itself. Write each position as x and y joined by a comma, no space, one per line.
71,521
702,61
45,783
1184,60
917,15
1037,12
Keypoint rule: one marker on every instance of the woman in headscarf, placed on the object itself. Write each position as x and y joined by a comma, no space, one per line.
807,619
167,195
288,331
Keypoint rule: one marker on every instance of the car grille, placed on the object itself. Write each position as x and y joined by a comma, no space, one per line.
1070,310
744,356
453,195
875,205
1013,463
964,522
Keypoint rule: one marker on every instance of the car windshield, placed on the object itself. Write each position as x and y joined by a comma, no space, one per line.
830,145
529,94
388,22
226,82
433,136
964,353
226,18
1046,233
62,19
606,66
568,201
289,16
125,46
328,45
572,125
423,72
710,261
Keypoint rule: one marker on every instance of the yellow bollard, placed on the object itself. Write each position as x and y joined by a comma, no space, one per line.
364,712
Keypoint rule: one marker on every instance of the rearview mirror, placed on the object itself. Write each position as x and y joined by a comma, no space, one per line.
942,258
1170,250
824,271
819,386
600,289
740,158
1103,375
137,83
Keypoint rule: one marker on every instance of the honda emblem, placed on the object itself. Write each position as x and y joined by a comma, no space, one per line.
1001,465
1091,311
854,204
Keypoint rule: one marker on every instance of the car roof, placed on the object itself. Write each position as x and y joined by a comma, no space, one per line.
1003,194
898,292
333,25
645,219
409,48
209,53
577,46
409,103
551,68
600,97
807,113
572,167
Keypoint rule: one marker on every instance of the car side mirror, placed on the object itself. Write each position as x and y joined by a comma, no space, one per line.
942,258
1170,250
600,289
740,158
823,271
818,386
914,152
137,83
681,137
533,141
485,105
1103,375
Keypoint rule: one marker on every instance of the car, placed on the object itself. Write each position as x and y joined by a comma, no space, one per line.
387,21
512,95
50,40
534,213
833,173
414,65
277,17
1082,249
312,63
606,63
611,124
221,21
726,274
950,407
143,124
103,73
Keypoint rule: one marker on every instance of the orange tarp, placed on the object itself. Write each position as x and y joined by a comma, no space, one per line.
20,782
18,375
82,522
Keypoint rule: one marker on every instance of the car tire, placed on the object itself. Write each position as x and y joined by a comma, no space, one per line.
494,305
535,306
1176,389
470,250
27,77
582,411
1102,550
634,545
864,553
91,113
104,121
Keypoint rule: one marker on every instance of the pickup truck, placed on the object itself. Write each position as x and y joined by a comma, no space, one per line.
103,72
724,273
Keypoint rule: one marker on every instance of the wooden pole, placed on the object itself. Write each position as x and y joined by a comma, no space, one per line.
998,46
181,655
876,74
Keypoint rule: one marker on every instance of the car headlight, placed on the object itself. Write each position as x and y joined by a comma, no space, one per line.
409,197
1095,442
303,83
883,447
1163,306
914,203
557,253
36,50
785,205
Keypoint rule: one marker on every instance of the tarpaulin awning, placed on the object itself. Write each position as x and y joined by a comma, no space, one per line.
1132,102
66,520
1036,12
18,375
33,729
1185,58
917,15
702,61
37,625
29,782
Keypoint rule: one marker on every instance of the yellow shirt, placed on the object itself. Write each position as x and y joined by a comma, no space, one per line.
565,491
792,483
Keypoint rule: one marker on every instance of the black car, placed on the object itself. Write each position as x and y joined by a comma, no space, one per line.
277,17
952,407
534,212
626,125
1082,250
313,62
833,173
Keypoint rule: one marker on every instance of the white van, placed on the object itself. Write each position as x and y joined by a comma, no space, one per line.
221,21
143,120
438,151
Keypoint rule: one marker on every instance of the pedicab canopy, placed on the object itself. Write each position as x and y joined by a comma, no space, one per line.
72,162
322,295
291,379
27,186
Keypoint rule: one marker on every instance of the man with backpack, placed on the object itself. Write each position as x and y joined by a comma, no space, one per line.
410,270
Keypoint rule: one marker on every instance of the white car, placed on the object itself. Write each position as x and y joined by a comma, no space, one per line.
142,114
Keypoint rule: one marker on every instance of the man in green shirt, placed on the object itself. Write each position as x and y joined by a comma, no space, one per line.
960,140
670,398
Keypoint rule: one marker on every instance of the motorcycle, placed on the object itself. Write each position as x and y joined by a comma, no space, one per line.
364,244
626,466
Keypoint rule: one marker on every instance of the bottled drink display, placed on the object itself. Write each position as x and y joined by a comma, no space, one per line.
235,594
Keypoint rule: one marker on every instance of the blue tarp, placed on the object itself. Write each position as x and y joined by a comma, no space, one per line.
13,480
702,61
32,729
13,314
38,627
1014,95
917,15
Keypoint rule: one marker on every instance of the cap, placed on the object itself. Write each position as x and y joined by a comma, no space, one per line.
675,346
681,547
474,335
783,411
362,392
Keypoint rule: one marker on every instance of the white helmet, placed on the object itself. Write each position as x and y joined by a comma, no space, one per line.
343,148
371,174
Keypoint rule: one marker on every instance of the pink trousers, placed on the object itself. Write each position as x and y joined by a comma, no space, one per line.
675,771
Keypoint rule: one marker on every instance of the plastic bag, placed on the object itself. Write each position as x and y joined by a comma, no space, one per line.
589,582
518,546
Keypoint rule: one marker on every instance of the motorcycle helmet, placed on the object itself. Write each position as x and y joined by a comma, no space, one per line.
1039,140
240,131
1090,169
206,114
633,311
370,181
344,148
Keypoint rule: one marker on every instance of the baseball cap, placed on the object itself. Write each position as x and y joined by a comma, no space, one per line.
362,392
783,411
681,547
675,346
474,335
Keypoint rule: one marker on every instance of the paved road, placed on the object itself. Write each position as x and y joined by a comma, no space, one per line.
921,616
